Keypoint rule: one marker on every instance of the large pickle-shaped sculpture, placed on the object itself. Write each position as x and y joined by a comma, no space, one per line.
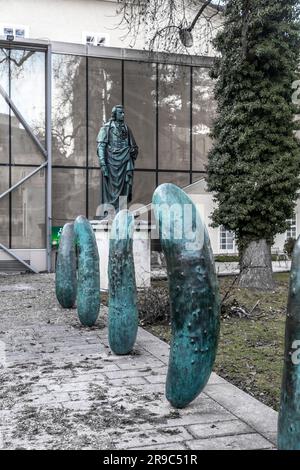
123,313
88,289
194,294
289,415
65,273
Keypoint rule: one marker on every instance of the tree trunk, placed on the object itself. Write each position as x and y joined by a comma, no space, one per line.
256,266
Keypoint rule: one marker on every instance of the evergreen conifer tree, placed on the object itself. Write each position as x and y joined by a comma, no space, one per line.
254,164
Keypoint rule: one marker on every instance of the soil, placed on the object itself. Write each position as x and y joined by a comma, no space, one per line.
251,344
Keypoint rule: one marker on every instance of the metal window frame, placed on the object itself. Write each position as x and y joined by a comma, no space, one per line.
292,227
222,231
45,151
89,51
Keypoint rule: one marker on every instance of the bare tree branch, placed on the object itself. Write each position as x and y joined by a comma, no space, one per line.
162,21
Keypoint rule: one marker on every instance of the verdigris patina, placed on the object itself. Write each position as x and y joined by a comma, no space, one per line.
117,152
289,414
122,313
65,273
194,294
88,290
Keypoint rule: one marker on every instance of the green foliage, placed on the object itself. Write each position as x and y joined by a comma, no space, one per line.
254,164
289,246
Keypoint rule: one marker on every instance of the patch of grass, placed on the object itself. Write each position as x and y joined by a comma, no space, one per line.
250,352
226,258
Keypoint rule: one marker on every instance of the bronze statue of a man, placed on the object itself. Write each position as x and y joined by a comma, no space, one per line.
117,152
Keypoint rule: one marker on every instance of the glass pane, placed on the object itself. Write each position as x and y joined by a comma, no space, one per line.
174,117
143,187
69,110
68,194
4,206
204,110
198,176
4,69
197,187
4,109
180,179
4,131
28,94
24,150
140,109
95,184
28,209
105,91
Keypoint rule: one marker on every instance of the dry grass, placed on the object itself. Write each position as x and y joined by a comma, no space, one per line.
250,352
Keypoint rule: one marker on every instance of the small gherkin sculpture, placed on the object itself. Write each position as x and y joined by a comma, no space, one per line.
88,288
123,313
289,414
65,273
194,294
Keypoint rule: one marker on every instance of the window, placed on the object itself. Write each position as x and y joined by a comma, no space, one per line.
226,240
292,230
18,31
95,39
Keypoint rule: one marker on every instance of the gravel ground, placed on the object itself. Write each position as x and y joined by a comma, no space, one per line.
62,388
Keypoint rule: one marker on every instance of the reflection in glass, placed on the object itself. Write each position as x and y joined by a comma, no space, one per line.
4,69
4,207
27,69
4,131
204,110
69,110
68,194
180,179
174,117
198,186
143,187
198,176
140,109
105,91
95,199
4,109
24,150
28,209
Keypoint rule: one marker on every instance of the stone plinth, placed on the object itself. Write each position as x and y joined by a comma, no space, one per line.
141,252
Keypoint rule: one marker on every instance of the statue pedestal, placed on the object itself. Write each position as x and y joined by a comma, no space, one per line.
141,252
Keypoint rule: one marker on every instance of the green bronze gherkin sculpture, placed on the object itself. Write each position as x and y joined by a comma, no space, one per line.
65,272
88,289
194,294
289,414
123,313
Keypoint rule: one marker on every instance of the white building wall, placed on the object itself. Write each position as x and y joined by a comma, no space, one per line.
205,204
66,20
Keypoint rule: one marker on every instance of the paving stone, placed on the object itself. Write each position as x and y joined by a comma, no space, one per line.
66,390
78,405
258,415
238,442
127,381
171,446
137,363
156,379
221,428
147,372
153,437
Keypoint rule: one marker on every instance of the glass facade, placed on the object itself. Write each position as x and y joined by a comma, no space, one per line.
169,108
22,211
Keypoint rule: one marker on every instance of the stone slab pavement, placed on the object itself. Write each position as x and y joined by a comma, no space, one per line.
62,388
